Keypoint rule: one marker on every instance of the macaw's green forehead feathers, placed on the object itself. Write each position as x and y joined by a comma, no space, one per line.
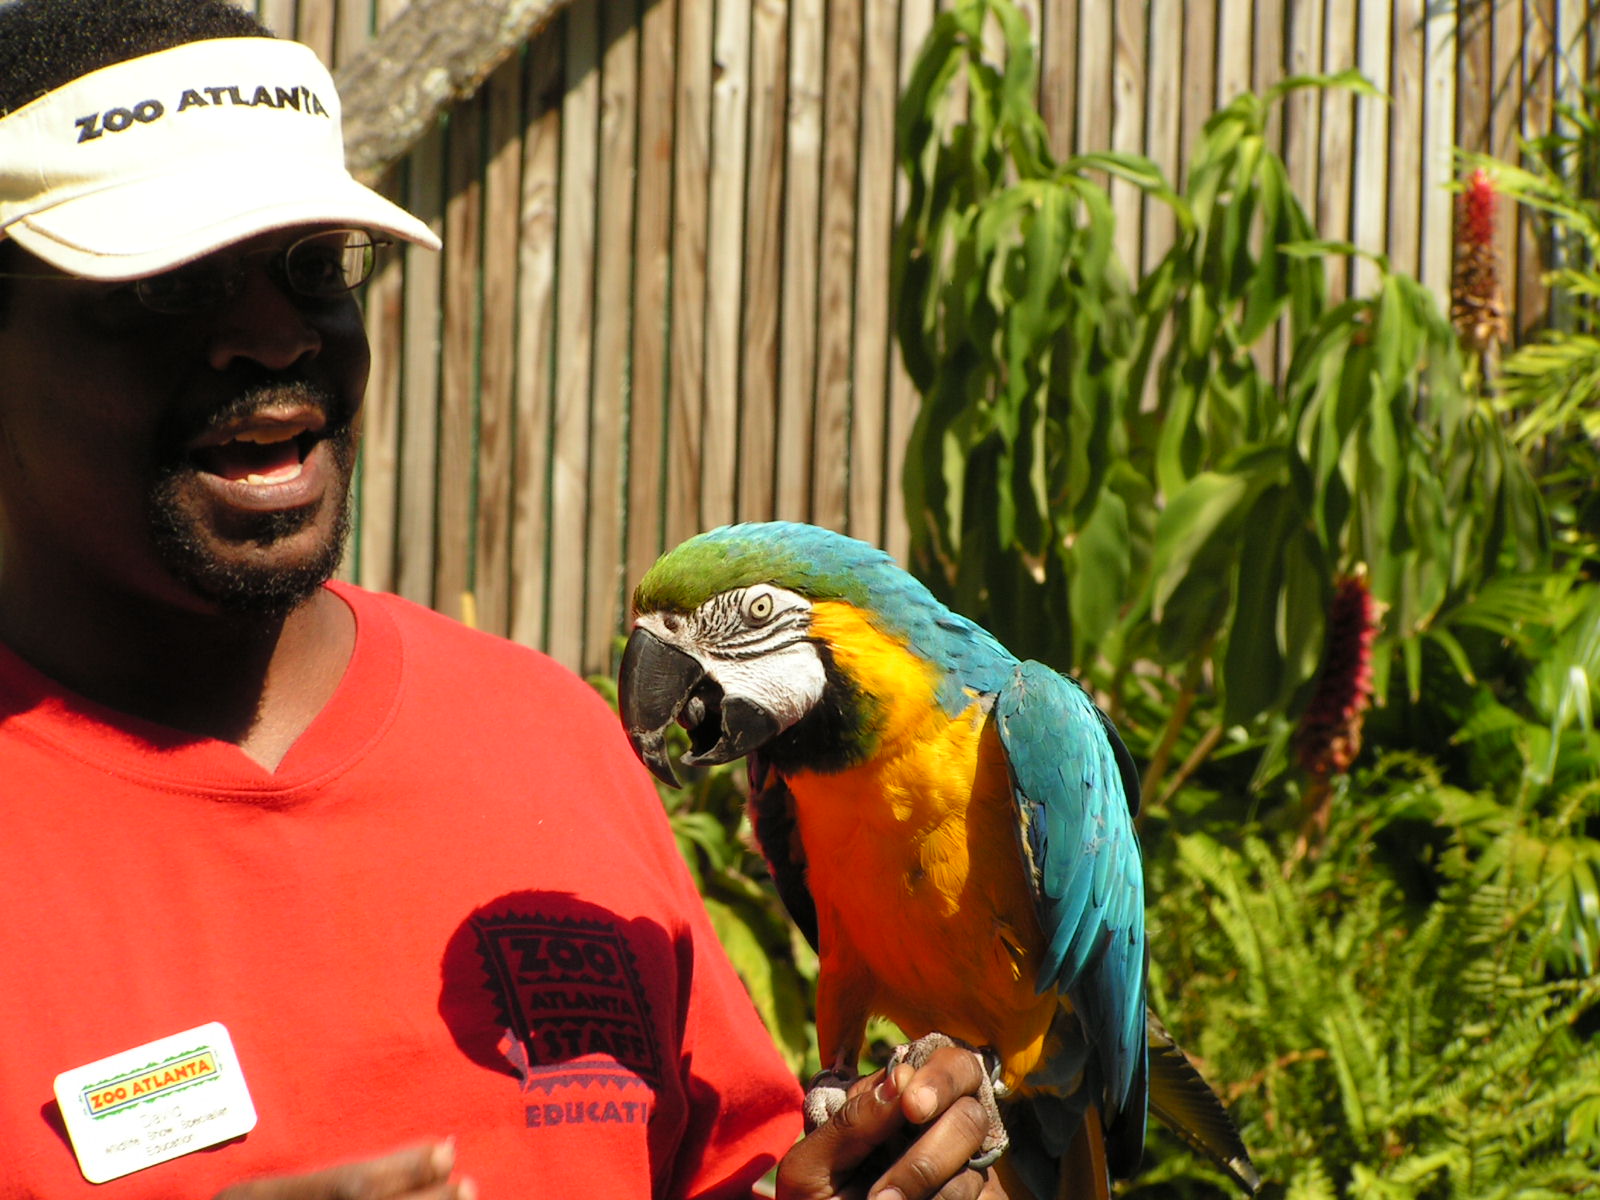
822,565
817,563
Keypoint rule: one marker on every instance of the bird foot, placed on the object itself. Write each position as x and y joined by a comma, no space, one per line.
990,1091
825,1095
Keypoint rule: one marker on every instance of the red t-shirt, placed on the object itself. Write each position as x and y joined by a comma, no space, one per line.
454,909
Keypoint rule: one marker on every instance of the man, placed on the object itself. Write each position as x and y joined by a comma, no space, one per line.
308,892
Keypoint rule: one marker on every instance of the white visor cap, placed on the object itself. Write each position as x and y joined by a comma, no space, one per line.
153,162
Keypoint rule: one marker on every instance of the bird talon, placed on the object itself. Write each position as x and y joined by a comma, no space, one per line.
991,1068
990,1091
988,1158
825,1095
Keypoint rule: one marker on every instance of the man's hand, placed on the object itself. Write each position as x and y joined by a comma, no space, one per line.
420,1172
907,1135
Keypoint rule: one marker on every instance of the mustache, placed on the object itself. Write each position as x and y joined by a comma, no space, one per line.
182,428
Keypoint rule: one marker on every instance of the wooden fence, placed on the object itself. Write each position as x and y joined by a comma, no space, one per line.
664,302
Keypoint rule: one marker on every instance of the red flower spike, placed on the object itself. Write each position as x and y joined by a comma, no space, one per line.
1478,206
1477,309
1329,737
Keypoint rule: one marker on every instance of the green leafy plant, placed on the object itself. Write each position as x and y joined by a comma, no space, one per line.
1092,451
1376,1042
1017,324
1548,389
1522,729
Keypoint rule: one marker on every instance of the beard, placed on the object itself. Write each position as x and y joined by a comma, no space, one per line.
266,589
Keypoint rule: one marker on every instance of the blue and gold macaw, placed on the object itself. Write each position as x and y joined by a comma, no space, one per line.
952,828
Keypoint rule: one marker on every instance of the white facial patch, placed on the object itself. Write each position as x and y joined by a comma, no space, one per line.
787,682
755,642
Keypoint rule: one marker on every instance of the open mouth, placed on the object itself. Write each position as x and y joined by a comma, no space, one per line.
701,715
259,456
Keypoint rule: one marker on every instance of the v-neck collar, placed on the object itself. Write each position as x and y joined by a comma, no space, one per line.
355,717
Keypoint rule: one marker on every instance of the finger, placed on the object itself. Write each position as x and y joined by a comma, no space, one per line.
949,1073
936,1163
871,1082
418,1172
411,1169
825,1159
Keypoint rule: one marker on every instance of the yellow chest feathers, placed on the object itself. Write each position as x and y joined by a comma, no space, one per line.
918,843
922,770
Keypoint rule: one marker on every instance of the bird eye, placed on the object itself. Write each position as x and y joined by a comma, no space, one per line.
758,608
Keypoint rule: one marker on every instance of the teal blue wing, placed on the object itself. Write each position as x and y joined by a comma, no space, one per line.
1076,791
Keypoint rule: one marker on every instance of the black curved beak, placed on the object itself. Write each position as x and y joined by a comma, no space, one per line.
654,682
659,684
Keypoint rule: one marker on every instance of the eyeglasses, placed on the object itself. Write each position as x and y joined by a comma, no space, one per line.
321,266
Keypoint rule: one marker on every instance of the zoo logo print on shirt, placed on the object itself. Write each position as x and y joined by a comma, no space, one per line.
576,1020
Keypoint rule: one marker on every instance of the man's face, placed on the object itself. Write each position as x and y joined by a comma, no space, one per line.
202,460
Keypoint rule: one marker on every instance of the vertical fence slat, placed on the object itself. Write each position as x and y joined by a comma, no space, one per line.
830,447
314,25
1333,216
353,24
278,16
604,605
1234,50
916,20
652,256
872,337
1128,84
1475,82
801,217
1536,109
1058,74
730,92
1407,137
1474,75
1163,121
381,304
1371,176
1505,38
1096,94
763,278
1302,108
1267,56
534,401
502,230
574,344
1438,162
1199,84
1574,28
1257,31
1590,48
1269,63
686,344
463,265
419,427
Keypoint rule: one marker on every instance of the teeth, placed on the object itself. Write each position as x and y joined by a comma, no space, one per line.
283,476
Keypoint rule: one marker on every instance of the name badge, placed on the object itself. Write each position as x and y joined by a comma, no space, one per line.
155,1102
